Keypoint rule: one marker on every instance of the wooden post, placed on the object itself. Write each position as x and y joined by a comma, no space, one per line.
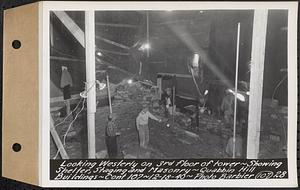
173,99
90,80
147,16
159,85
108,94
68,106
235,88
173,106
256,81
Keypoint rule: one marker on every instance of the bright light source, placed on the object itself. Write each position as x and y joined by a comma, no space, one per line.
248,93
195,60
99,53
201,11
239,96
129,81
102,86
206,92
145,46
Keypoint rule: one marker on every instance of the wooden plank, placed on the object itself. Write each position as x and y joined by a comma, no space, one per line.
147,31
61,98
159,85
112,42
181,21
57,141
256,81
117,25
114,52
108,93
66,59
174,74
90,80
71,26
79,35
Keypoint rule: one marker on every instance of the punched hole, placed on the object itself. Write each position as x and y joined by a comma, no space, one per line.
16,44
16,147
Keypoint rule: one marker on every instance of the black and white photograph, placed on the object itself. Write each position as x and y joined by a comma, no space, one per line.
166,85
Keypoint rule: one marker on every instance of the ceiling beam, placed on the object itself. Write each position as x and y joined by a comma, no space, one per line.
113,52
117,25
177,22
112,42
66,59
78,33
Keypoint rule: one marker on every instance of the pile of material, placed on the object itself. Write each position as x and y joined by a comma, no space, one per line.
134,91
273,131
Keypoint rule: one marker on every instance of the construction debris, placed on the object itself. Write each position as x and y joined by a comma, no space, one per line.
170,136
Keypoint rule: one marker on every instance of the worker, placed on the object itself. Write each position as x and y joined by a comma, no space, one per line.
227,107
142,125
111,137
167,100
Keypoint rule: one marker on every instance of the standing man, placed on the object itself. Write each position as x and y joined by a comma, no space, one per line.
227,107
142,125
168,102
111,137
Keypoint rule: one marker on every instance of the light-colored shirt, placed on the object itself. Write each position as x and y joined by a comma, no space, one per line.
143,118
227,104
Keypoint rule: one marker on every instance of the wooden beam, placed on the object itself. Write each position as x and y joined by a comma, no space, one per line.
189,21
114,52
111,66
71,26
174,74
66,59
79,35
117,25
159,85
58,99
159,37
90,81
108,94
256,81
112,42
57,140
147,32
